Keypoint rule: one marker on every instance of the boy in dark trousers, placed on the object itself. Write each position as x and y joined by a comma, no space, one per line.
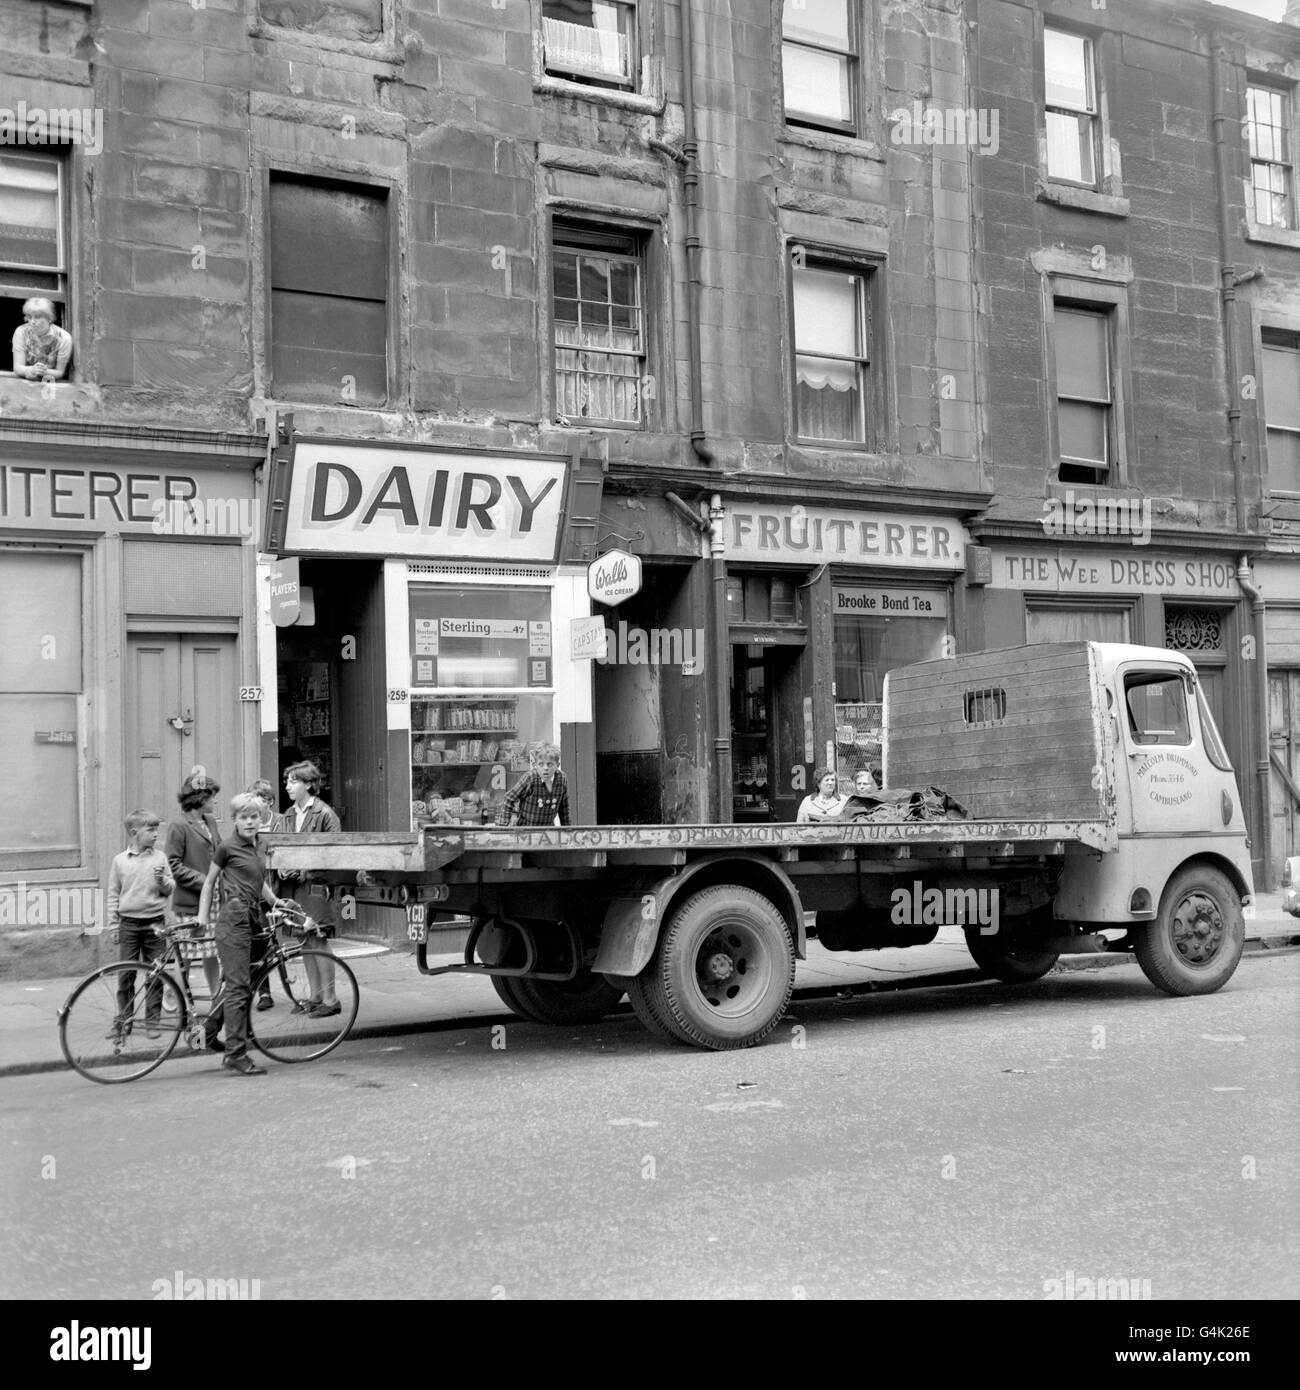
239,864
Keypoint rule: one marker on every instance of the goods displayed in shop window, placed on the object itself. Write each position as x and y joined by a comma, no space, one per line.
858,736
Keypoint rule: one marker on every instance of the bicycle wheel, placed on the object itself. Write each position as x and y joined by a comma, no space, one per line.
110,1040
288,1032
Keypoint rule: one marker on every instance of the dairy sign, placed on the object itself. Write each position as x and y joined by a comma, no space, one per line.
616,575
353,499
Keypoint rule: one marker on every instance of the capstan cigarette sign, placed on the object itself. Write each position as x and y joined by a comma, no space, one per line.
353,499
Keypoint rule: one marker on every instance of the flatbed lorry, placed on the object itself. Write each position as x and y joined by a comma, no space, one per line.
1103,815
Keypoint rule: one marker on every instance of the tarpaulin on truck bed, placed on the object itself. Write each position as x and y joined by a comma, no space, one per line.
903,804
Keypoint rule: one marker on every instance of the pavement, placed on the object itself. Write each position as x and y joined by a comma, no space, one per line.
396,999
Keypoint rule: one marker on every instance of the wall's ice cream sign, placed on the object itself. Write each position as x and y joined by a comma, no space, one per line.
355,499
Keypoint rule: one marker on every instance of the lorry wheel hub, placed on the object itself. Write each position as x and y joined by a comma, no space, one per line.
1198,929
718,967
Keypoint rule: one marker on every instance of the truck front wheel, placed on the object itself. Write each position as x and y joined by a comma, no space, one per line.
1195,942
1008,956
722,972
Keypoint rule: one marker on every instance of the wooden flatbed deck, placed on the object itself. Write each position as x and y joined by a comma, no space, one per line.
436,850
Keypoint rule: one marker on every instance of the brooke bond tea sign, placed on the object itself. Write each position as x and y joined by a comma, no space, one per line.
616,575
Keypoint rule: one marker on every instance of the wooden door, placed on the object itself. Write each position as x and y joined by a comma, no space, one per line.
193,679
1284,761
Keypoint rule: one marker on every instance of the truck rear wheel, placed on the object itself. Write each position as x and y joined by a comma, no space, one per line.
508,993
722,971
1195,942
1008,957
563,1003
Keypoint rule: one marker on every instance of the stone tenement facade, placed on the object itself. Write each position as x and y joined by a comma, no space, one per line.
839,316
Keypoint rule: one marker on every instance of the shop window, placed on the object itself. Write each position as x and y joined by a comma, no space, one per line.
592,41
1281,355
599,319
1084,393
33,238
1070,83
867,648
832,334
40,697
1057,624
328,276
1157,709
1272,176
482,696
819,58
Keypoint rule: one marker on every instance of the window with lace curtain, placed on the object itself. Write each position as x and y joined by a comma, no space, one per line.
591,41
599,325
832,334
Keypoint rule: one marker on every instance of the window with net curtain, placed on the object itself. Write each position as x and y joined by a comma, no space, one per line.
831,358
1056,624
1071,102
817,59
600,356
591,40
1083,389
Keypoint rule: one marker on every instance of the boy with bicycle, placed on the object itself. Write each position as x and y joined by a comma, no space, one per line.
239,864
140,884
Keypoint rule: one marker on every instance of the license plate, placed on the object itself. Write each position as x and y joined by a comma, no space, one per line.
417,922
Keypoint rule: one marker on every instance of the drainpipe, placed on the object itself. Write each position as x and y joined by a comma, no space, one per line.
1251,590
1228,282
690,162
1227,287
721,665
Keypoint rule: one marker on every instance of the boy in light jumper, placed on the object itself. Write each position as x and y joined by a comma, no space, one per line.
140,885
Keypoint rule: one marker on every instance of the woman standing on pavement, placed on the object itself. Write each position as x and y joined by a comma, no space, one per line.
264,791
309,815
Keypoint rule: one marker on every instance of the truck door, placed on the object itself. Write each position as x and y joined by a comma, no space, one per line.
1177,769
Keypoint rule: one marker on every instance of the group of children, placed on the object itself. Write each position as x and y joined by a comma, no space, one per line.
144,881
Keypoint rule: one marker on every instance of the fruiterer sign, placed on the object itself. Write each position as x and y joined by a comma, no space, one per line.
286,593
614,576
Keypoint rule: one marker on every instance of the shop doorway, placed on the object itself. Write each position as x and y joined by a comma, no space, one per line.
768,733
182,710
1284,761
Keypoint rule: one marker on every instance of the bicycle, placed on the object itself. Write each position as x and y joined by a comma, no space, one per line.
114,1026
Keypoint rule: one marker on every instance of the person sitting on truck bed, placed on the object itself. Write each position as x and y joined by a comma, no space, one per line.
540,797
823,804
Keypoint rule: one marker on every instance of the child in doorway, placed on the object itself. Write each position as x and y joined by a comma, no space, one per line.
140,886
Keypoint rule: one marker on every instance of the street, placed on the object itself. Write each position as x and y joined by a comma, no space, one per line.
980,1141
